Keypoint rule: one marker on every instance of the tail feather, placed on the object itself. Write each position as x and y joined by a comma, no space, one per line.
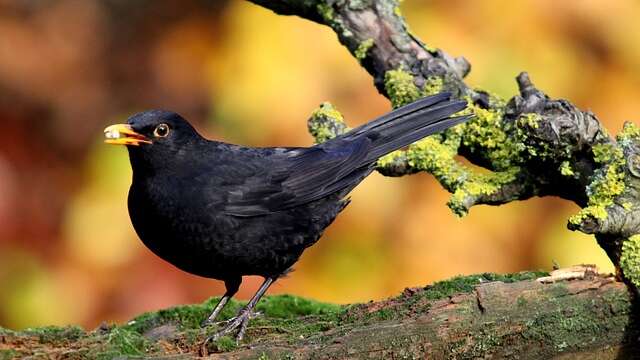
414,120
409,138
409,124
401,112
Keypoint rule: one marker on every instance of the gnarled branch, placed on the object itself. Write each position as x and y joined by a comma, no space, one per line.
532,144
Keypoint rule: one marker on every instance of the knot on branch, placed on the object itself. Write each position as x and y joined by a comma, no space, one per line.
560,131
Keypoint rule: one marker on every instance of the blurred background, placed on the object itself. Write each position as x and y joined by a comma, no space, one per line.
68,68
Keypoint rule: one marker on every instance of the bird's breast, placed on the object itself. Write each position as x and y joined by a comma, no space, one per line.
177,231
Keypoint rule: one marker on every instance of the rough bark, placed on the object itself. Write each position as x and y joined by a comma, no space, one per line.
533,145
480,316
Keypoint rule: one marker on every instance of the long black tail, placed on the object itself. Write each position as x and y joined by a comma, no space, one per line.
409,124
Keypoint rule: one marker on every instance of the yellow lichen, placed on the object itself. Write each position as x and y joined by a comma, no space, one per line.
478,185
531,119
607,184
363,49
565,169
400,87
630,259
433,85
322,124
435,156
326,11
388,159
486,133
630,131
328,110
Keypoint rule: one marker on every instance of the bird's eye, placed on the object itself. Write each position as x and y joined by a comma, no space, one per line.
161,130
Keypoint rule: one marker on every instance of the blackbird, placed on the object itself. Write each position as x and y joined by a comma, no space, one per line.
223,211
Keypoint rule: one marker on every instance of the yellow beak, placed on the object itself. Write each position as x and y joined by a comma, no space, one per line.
123,134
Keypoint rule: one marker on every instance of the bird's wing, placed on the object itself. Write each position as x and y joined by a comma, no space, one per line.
305,175
302,176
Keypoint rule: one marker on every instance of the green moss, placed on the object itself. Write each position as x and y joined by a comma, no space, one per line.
326,11
607,184
288,307
225,344
52,334
282,312
419,301
466,284
400,87
123,342
575,321
326,122
185,316
8,354
521,302
297,316
630,259
363,49
563,323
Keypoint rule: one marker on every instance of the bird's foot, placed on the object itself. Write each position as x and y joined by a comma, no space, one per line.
212,321
239,323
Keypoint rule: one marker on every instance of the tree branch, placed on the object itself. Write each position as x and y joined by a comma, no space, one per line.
533,145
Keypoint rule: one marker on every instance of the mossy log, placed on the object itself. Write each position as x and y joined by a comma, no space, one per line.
479,316
533,145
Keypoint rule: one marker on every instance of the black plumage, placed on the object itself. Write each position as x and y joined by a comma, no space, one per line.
223,211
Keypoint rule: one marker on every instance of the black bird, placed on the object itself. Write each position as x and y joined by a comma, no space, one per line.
223,211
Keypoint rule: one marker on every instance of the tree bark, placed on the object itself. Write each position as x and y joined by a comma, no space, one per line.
577,319
480,316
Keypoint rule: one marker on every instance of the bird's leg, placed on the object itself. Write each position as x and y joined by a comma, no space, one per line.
241,321
232,286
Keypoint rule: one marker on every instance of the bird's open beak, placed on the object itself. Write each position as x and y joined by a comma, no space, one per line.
123,134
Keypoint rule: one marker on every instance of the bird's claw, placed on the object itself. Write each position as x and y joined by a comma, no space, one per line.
239,322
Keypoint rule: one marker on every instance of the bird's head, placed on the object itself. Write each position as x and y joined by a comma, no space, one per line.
153,136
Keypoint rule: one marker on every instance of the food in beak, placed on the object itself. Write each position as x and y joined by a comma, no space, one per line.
123,134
